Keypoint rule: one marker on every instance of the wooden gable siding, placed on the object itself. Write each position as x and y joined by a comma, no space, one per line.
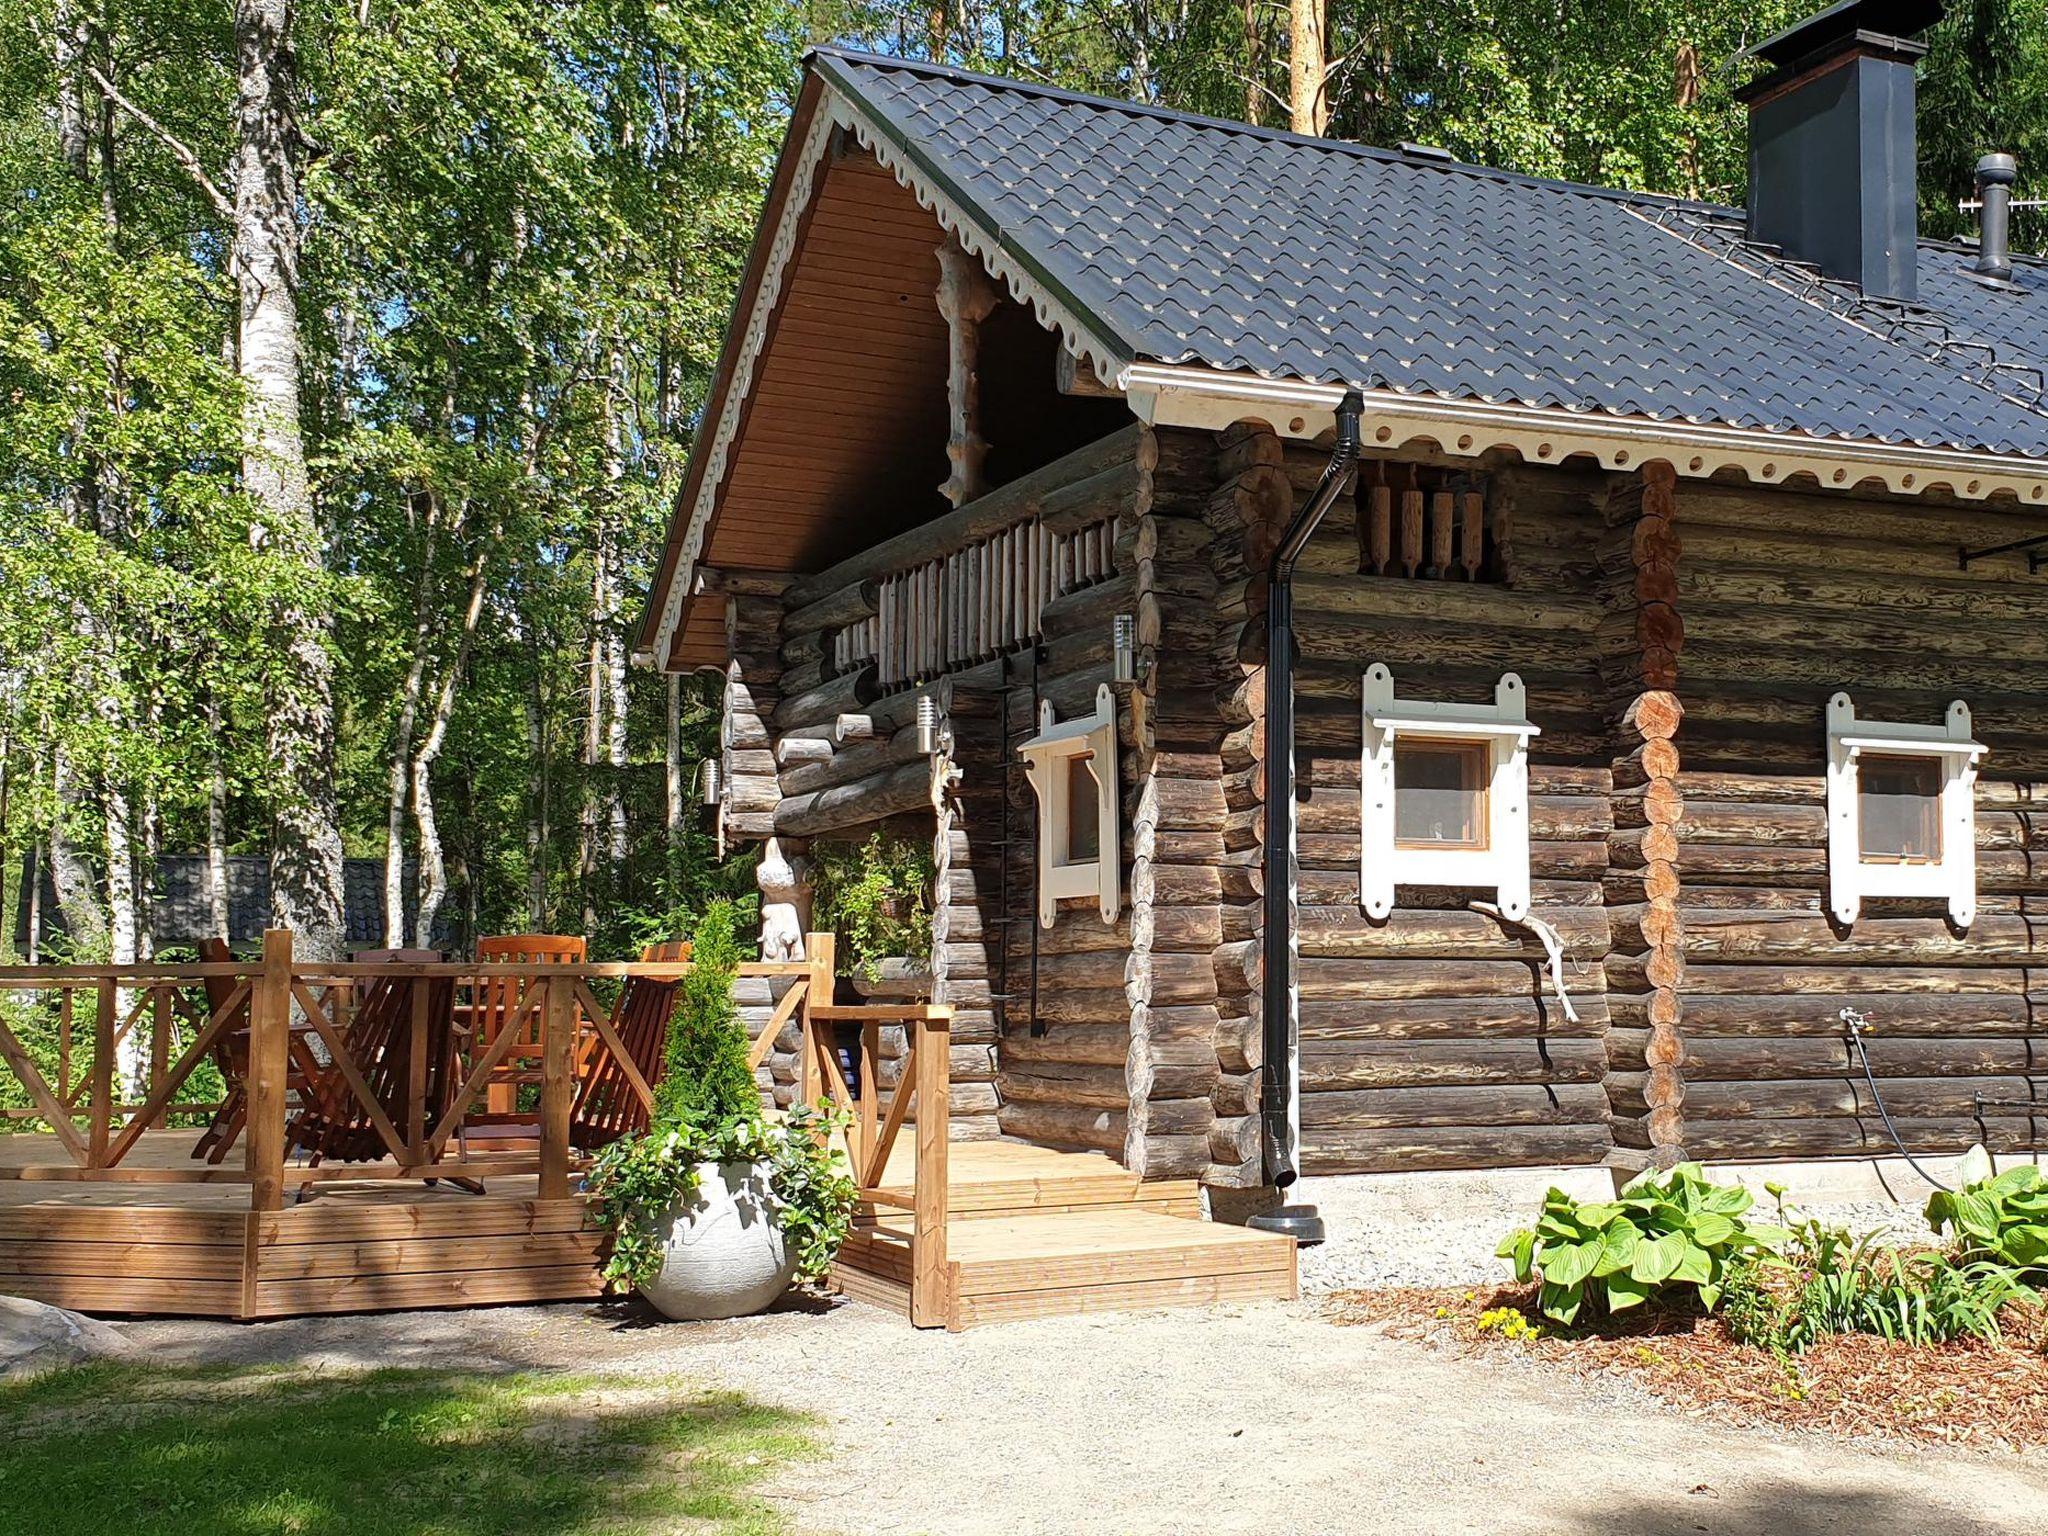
843,436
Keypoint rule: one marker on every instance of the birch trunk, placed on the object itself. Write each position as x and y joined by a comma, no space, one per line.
395,782
433,868
672,774
305,852
1308,66
216,830
85,920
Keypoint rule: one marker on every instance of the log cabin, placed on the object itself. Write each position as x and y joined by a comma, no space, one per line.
1654,591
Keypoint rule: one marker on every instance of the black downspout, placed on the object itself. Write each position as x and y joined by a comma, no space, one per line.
1277,1081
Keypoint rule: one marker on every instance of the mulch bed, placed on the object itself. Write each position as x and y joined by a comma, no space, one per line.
1968,1394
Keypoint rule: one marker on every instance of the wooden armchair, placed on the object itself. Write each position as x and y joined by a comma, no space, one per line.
231,1055
495,1004
401,1041
606,1105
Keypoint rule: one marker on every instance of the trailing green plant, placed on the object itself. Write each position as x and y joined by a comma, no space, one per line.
707,1109
2000,1217
1663,1231
637,1180
877,898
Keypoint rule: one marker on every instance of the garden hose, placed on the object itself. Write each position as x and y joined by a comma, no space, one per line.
1855,1024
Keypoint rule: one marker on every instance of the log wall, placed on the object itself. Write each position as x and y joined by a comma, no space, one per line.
1433,1040
1787,598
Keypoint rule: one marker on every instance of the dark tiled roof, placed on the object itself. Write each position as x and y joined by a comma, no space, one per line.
1187,240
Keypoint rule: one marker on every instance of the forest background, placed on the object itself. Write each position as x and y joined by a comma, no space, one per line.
351,352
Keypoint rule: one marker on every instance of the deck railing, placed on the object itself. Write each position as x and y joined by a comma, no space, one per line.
282,1030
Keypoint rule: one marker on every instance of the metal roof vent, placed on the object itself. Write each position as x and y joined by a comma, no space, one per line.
1832,148
1995,176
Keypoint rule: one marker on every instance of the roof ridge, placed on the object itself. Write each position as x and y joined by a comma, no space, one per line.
956,73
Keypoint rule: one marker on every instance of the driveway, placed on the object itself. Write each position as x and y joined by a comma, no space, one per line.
1265,1418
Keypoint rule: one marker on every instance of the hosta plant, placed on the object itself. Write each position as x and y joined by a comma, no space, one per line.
1663,1231
1998,1217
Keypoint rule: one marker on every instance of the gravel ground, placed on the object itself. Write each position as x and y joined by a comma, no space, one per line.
1229,1421
1431,1230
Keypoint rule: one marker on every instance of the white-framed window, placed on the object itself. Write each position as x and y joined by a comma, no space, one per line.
1072,769
1445,795
1902,817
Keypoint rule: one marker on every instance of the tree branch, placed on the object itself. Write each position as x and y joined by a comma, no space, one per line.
180,150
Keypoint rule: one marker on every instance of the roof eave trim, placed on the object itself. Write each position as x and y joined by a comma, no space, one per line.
1167,394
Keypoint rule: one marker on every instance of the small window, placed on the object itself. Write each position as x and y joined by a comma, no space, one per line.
1901,811
1078,853
1440,794
1084,819
1898,809
1444,795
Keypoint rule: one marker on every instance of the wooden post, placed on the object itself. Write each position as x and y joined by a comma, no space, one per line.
822,951
159,1042
416,1077
101,1096
557,1085
932,1037
966,298
270,1003
870,1097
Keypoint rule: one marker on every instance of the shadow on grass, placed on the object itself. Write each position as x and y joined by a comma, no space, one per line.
191,1453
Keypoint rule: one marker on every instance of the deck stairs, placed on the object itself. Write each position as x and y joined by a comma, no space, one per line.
1037,1232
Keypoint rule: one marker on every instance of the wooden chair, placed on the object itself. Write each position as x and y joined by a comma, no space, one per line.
606,1107
231,1055
495,1000
380,1038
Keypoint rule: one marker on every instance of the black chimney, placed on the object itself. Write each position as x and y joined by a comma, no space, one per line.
1832,149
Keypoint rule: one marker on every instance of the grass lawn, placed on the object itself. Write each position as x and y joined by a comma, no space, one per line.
404,1452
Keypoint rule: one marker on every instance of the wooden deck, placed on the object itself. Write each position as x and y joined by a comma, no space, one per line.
198,1250
1035,1232
1032,1232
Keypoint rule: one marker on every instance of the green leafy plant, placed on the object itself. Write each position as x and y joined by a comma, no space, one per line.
1663,1230
1826,1281
877,898
707,1109
2001,1217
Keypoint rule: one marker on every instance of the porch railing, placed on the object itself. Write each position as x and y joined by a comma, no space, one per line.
296,1015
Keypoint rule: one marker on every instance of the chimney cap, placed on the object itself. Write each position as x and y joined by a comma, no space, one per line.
1843,21
1999,169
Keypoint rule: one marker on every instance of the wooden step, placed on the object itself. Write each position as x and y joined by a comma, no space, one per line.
1057,1263
994,1179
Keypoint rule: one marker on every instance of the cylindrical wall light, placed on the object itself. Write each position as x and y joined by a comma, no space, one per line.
927,724
707,781
1124,642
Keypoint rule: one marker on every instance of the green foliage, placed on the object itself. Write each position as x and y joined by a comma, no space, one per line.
705,1078
2001,1218
1665,1231
707,1109
877,899
1828,1282
387,1453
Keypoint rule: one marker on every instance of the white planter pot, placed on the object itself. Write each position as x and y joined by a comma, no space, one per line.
723,1250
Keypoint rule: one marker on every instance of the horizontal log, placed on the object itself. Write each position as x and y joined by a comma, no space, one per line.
1818,1015
1337,1149
856,600
1341,1064
1748,938
1345,932
1933,1097
1006,506
1346,979
1460,1018
1090,1127
847,692
861,760
844,806
1729,1058
1490,1105
1761,1138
